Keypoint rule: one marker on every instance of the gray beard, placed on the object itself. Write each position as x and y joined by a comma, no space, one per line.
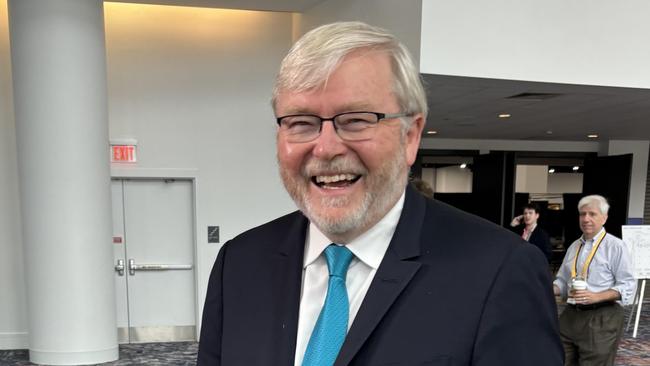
350,222
384,189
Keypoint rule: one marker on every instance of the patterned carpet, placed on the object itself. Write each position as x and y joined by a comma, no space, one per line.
636,351
632,351
155,354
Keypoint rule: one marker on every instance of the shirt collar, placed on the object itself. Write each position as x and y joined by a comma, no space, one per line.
598,234
368,247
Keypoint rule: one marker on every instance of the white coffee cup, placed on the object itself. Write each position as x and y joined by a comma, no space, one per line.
577,284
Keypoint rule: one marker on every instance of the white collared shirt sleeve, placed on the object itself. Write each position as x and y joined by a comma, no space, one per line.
625,283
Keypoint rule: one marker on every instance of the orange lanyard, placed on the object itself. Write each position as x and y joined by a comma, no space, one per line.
585,267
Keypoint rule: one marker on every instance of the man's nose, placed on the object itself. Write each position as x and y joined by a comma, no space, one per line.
328,144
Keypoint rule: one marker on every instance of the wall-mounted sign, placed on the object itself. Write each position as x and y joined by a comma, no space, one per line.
213,234
123,154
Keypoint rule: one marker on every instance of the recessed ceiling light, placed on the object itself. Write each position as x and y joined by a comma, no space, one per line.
504,115
549,132
593,135
551,171
576,168
432,132
463,166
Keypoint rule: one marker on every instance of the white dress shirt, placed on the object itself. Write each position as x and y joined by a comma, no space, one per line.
368,249
610,269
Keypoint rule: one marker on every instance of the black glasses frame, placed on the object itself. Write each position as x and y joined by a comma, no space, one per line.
380,117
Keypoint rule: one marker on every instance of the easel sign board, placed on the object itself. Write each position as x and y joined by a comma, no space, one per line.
637,239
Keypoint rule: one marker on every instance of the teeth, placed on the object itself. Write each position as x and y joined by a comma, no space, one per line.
334,178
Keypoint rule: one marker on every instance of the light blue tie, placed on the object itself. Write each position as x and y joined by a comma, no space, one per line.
332,325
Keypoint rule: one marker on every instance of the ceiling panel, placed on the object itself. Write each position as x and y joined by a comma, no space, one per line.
463,107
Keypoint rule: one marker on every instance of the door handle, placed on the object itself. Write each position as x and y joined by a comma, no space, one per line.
119,267
155,267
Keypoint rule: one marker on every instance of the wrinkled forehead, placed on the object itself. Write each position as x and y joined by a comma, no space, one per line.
590,208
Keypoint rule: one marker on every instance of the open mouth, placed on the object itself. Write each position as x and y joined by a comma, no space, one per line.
335,181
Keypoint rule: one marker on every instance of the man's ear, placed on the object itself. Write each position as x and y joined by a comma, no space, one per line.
413,136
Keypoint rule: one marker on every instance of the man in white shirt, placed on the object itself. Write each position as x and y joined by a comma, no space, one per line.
596,279
369,272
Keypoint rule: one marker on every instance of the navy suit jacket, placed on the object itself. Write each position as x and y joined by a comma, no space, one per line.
452,289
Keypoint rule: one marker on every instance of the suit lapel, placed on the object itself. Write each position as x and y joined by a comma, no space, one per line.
286,281
533,235
393,275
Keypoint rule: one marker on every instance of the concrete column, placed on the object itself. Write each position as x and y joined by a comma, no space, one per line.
60,104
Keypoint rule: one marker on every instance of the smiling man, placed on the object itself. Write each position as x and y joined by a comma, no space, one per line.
368,271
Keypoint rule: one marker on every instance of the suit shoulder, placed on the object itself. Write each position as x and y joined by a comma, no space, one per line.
468,236
273,228
466,225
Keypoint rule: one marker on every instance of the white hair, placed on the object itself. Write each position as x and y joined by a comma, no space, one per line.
319,52
595,201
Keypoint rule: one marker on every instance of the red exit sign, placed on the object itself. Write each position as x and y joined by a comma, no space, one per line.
123,154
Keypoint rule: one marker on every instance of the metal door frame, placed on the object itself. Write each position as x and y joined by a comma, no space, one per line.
190,175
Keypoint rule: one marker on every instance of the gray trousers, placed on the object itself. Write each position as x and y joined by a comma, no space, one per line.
591,337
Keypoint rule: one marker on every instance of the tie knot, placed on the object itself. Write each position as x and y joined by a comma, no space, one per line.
338,260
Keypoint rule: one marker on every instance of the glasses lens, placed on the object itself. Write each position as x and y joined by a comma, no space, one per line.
356,126
300,128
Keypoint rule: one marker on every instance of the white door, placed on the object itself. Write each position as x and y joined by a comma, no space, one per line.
154,260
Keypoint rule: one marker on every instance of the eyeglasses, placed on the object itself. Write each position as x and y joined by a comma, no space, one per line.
350,126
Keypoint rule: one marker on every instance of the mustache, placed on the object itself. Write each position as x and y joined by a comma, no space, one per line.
336,166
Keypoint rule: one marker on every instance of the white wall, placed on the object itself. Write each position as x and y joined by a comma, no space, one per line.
565,183
453,179
13,316
402,17
592,42
640,150
429,176
192,86
531,178
536,179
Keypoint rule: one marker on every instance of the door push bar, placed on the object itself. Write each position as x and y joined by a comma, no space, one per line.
155,267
